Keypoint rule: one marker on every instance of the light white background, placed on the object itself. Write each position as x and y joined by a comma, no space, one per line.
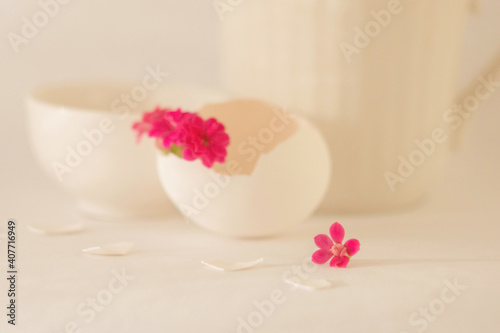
94,39
118,39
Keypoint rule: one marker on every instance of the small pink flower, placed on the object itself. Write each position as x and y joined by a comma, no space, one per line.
185,134
148,121
333,247
206,140
168,128
162,124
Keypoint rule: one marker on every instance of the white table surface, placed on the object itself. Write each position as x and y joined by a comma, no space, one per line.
404,263
405,260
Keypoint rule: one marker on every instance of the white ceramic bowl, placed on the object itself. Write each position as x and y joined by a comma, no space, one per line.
81,136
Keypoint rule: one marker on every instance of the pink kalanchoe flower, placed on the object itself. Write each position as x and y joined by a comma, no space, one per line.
163,125
206,140
148,120
333,247
185,134
168,128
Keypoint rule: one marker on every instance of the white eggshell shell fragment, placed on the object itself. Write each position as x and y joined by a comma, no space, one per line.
56,229
115,249
228,266
284,188
310,284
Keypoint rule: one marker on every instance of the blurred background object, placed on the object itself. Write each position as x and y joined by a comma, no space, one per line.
81,137
377,77
119,40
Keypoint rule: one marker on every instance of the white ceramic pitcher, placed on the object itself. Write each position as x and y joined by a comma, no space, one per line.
377,76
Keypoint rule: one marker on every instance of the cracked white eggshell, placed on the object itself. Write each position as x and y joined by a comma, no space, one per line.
115,249
285,188
228,266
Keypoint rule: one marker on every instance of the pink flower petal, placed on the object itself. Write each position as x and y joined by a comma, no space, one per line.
221,159
213,126
208,162
205,140
187,154
344,262
220,138
141,129
321,256
334,261
339,262
337,232
352,246
323,242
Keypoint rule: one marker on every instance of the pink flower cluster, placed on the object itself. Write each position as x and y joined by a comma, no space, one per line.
185,134
332,248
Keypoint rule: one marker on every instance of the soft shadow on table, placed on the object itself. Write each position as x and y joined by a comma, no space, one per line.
362,263
395,262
